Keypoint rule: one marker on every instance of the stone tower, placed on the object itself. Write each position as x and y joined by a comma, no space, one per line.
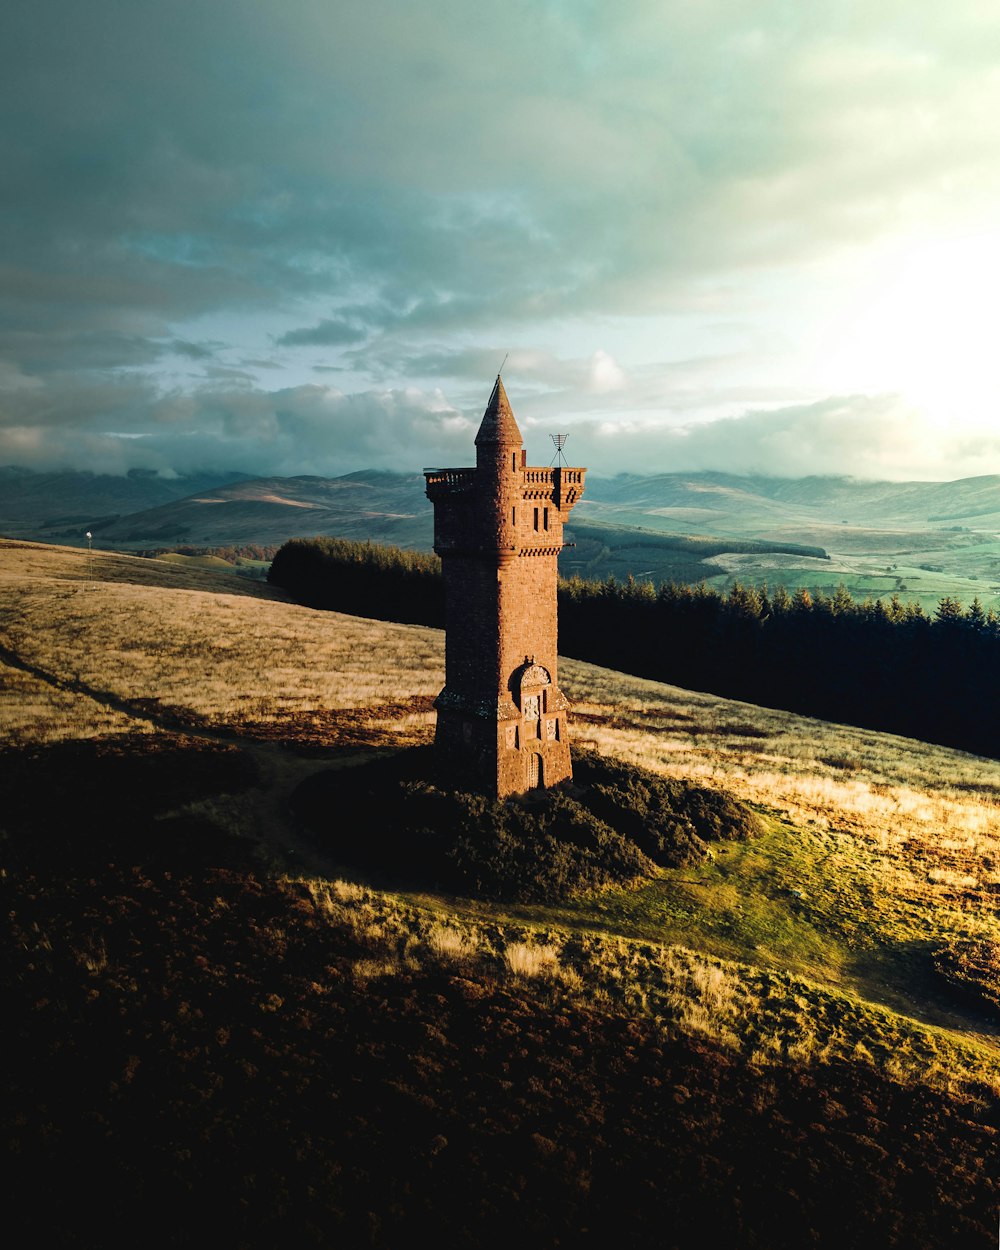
502,719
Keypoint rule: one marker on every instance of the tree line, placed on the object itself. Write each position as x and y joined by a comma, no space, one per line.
365,579
885,665
231,552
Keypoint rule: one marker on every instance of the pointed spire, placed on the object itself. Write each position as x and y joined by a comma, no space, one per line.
498,425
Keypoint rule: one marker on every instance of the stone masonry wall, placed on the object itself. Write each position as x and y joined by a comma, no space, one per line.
499,529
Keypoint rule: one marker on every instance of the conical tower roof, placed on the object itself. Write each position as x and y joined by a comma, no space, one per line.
498,424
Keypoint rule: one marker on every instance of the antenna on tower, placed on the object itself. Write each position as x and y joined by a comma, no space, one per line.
500,370
559,442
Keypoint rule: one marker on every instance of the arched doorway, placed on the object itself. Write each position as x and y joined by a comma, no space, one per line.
536,771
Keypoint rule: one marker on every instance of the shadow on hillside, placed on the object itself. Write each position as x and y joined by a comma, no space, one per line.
907,977
396,819
75,805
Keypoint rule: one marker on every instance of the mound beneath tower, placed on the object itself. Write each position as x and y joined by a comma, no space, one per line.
613,825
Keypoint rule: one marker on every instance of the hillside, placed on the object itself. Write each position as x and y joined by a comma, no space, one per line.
924,540
64,505
839,500
388,506
193,979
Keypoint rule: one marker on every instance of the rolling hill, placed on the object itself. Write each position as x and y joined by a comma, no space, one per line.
215,1021
143,510
764,501
923,540
49,506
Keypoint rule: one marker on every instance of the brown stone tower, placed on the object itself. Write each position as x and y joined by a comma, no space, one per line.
502,719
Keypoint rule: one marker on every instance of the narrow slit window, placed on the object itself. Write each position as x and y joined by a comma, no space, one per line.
513,461
536,518
545,518
513,516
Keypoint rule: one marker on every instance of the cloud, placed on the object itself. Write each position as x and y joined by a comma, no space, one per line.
57,351
304,429
414,191
331,332
193,351
532,369
323,430
590,157
878,437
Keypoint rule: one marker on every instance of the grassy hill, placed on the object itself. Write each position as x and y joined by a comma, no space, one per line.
390,507
762,500
924,540
216,1022
66,504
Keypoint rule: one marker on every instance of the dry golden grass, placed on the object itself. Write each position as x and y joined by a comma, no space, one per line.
31,710
157,639
121,641
98,646
531,960
770,1017
928,816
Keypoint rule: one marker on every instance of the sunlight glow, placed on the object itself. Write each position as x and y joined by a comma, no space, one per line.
926,328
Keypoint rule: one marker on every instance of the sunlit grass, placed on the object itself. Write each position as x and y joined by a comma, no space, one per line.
32,711
815,939
186,642
768,1015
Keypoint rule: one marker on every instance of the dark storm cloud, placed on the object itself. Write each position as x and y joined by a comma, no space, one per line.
304,429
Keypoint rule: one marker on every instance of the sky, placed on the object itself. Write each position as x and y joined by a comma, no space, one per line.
755,236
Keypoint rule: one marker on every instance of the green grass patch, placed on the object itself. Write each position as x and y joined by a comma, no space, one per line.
197,562
803,901
737,905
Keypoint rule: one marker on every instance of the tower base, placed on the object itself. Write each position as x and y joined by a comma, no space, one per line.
503,754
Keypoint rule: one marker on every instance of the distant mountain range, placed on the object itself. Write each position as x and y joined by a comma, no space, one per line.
805,509
140,511
142,507
629,523
65,501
